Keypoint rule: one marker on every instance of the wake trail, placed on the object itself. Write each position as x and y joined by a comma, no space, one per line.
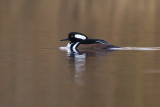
137,48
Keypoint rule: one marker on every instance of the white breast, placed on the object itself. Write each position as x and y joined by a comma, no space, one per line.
73,46
69,45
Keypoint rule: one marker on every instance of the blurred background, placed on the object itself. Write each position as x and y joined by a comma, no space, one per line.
34,72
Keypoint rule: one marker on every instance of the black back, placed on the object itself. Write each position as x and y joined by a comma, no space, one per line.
92,41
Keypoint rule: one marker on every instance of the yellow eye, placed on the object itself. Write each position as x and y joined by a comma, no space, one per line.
72,36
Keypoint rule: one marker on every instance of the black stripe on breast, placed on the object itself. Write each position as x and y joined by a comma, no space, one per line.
72,48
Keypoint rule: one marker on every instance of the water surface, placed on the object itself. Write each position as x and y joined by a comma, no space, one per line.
35,73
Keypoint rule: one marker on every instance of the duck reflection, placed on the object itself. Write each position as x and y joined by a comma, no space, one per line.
79,59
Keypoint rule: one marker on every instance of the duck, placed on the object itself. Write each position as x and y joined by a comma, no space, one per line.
80,42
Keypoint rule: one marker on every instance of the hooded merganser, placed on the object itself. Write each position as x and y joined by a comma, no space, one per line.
79,41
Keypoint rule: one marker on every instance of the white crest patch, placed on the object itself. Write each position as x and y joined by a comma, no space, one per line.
79,36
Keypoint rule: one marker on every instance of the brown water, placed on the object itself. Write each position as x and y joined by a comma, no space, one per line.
35,73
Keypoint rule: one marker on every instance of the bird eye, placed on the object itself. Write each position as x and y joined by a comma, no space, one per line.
72,36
